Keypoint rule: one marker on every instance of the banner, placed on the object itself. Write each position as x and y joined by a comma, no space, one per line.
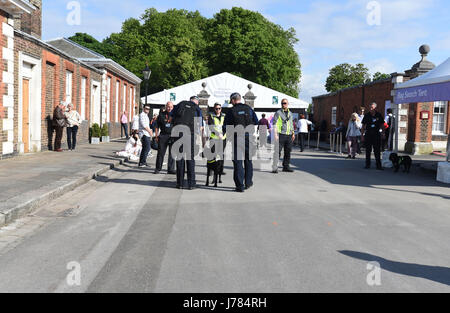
426,93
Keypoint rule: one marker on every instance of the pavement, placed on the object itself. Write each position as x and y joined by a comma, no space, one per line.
29,181
315,230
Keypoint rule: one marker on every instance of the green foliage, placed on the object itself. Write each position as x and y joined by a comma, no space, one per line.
104,130
96,131
379,76
246,44
182,46
346,75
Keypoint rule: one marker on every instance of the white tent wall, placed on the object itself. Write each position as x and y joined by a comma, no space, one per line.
220,87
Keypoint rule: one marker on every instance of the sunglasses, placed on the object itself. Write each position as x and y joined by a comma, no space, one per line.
218,109
284,103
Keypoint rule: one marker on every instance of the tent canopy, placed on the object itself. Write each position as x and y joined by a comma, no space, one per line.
430,87
220,87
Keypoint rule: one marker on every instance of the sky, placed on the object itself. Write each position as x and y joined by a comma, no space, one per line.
385,35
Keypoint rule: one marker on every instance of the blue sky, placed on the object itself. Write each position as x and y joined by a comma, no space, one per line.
330,32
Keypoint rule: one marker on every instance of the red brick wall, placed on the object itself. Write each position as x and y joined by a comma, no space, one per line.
115,127
350,100
53,88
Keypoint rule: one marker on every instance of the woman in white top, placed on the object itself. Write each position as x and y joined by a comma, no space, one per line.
133,148
353,132
73,123
303,124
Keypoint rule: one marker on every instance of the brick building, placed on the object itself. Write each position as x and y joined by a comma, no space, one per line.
120,89
35,76
432,134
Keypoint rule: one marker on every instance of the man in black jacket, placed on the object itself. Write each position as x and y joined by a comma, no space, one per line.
241,115
373,130
163,133
187,113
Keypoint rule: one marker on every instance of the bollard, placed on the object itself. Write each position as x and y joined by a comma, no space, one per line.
331,142
309,140
318,140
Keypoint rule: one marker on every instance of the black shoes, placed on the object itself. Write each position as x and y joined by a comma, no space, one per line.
239,190
179,187
157,172
275,172
288,170
248,187
172,172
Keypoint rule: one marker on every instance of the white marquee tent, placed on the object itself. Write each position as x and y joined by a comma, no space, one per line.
430,87
220,87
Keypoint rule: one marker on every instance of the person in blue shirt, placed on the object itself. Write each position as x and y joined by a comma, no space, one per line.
244,115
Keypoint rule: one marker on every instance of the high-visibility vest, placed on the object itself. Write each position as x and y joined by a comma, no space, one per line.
218,126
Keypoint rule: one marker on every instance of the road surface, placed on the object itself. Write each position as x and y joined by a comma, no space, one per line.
315,230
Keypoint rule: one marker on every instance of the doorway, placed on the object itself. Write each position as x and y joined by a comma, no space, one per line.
26,114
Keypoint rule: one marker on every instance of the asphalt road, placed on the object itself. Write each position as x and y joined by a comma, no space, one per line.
314,230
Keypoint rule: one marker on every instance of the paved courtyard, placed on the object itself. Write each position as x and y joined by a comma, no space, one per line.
314,230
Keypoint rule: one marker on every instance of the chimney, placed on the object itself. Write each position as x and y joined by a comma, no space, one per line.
31,23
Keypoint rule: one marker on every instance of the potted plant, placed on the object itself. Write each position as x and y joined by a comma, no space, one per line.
96,133
105,133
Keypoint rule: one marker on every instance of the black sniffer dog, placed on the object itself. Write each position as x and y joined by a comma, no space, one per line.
215,166
398,161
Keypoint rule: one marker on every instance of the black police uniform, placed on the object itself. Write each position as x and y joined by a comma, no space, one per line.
372,137
241,114
184,114
165,125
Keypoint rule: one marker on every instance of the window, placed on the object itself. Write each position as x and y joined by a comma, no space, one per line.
439,117
83,97
124,99
117,101
108,100
69,76
333,115
130,104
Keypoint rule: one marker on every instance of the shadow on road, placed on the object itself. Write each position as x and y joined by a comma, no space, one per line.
340,171
437,274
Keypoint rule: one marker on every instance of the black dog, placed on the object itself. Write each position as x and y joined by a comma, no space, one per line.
215,166
397,161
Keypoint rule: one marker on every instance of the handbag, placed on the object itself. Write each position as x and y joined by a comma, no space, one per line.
154,144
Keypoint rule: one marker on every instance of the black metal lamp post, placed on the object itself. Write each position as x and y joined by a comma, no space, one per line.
147,72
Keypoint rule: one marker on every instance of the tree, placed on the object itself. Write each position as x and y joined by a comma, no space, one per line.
246,44
182,46
90,42
345,75
379,76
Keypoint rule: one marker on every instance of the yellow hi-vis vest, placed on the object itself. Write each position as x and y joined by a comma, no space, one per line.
218,126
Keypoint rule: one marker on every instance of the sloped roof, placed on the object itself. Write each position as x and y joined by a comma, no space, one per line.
93,58
17,7
220,87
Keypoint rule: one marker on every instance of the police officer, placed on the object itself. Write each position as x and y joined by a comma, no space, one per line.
241,114
216,121
187,113
372,130
283,125
163,133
